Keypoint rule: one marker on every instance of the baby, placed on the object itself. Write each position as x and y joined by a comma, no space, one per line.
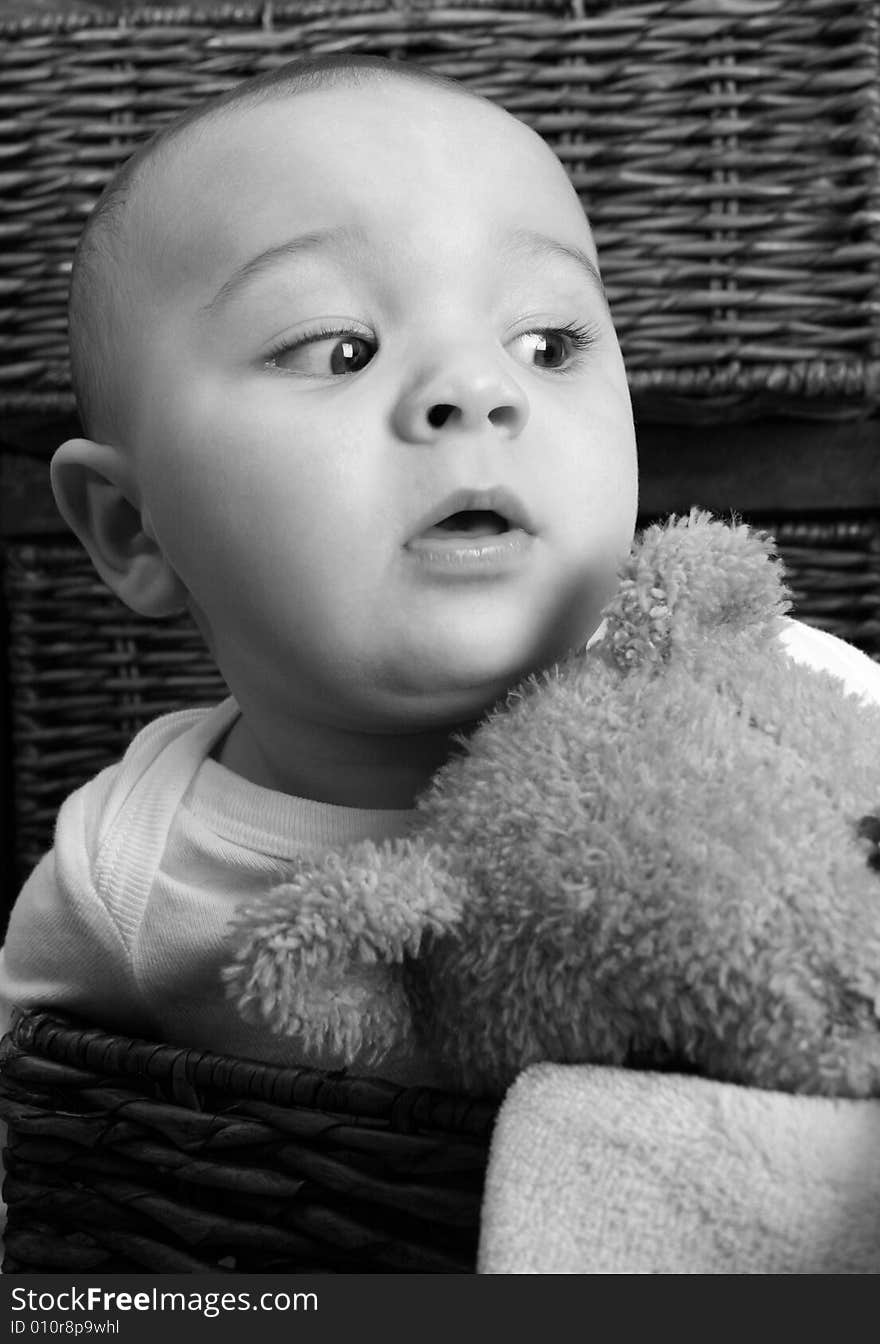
354,398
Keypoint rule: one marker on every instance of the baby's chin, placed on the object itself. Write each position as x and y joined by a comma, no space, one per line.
462,679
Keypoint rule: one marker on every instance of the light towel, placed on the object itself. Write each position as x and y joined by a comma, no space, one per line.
598,1170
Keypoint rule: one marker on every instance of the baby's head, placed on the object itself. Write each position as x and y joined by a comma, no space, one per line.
353,395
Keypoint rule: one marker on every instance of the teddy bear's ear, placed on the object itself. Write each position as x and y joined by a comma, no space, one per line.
689,577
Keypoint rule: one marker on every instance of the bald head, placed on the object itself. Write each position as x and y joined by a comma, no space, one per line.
105,278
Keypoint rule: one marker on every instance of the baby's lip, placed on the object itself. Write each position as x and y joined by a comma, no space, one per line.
497,500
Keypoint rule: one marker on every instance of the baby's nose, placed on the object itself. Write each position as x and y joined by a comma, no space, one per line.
461,400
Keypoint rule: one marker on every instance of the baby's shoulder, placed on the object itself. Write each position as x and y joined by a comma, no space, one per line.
165,755
189,734
827,653
131,800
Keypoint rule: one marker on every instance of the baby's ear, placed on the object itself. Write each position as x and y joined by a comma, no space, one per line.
97,497
688,578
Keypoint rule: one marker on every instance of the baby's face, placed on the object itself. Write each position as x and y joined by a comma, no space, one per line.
383,431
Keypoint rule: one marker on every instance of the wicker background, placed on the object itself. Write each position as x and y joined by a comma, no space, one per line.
726,152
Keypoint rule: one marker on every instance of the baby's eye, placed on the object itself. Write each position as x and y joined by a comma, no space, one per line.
325,354
550,347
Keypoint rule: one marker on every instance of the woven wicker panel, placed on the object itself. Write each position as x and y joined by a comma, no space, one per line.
86,673
727,155
128,1155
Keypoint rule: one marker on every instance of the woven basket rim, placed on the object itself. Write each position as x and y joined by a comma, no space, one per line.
264,12
62,1039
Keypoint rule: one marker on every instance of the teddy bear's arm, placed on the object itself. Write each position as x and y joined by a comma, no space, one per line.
366,904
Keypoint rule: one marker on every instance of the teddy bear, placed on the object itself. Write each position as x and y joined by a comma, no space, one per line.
662,853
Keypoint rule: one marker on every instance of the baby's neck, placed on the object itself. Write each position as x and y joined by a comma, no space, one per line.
369,770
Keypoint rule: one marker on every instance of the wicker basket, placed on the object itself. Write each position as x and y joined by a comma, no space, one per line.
726,153
125,1155
86,673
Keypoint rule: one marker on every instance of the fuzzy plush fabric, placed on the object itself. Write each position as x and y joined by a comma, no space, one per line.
614,1171
371,904
661,853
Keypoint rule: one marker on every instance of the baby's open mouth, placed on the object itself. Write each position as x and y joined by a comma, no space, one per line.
470,523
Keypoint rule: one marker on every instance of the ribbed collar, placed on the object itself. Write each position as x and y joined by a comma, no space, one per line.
278,824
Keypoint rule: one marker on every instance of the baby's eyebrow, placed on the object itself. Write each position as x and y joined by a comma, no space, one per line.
535,244
524,241
318,240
